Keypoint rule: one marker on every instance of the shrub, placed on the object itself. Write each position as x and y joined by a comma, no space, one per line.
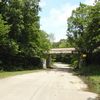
17,63
75,64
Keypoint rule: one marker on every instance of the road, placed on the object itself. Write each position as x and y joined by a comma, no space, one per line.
55,84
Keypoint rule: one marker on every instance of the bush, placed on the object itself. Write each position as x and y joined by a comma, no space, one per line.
91,75
65,58
74,61
75,64
17,63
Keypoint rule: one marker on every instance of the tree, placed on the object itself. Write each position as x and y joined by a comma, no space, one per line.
11,12
23,17
63,43
97,1
21,38
94,27
84,28
4,30
44,43
77,24
30,32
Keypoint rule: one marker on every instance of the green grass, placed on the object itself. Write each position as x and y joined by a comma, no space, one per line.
91,76
9,74
93,83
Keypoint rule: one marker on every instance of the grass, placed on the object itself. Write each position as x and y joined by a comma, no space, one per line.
91,76
9,74
94,83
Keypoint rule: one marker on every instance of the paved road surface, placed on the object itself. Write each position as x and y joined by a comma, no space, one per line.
56,84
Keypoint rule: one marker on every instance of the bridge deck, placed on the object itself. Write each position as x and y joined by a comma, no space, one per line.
61,50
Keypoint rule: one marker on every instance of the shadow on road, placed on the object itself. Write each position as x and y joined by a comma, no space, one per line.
64,70
61,68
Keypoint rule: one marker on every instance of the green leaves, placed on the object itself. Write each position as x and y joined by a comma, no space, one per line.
22,43
4,29
24,36
63,43
84,27
44,43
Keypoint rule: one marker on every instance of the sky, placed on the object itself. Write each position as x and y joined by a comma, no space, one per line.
54,15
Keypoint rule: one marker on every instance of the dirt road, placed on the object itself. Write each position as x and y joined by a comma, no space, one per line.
55,84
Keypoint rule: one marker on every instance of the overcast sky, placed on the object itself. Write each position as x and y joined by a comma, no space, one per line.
55,13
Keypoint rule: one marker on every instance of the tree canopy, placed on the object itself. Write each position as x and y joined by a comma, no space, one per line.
84,27
63,43
20,29
84,32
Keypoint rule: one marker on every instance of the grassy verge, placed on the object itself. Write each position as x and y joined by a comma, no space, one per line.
93,83
9,74
91,76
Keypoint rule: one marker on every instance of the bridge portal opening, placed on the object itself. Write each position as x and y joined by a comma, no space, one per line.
63,55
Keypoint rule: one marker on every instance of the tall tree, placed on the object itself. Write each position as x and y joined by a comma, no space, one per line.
11,12
93,28
23,17
44,43
84,28
4,30
76,24
30,32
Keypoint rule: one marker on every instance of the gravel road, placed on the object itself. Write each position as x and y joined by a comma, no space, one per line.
54,84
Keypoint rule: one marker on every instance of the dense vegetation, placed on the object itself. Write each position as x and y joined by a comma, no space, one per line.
65,58
22,43
63,43
84,33
84,30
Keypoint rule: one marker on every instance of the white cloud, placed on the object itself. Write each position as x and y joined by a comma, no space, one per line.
56,21
89,2
42,3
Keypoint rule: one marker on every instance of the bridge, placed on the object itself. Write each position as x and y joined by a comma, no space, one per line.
58,51
62,51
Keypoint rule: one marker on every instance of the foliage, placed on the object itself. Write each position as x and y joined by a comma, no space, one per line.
63,43
76,26
65,58
94,27
20,34
74,64
74,61
4,29
84,29
44,42
91,75
21,63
